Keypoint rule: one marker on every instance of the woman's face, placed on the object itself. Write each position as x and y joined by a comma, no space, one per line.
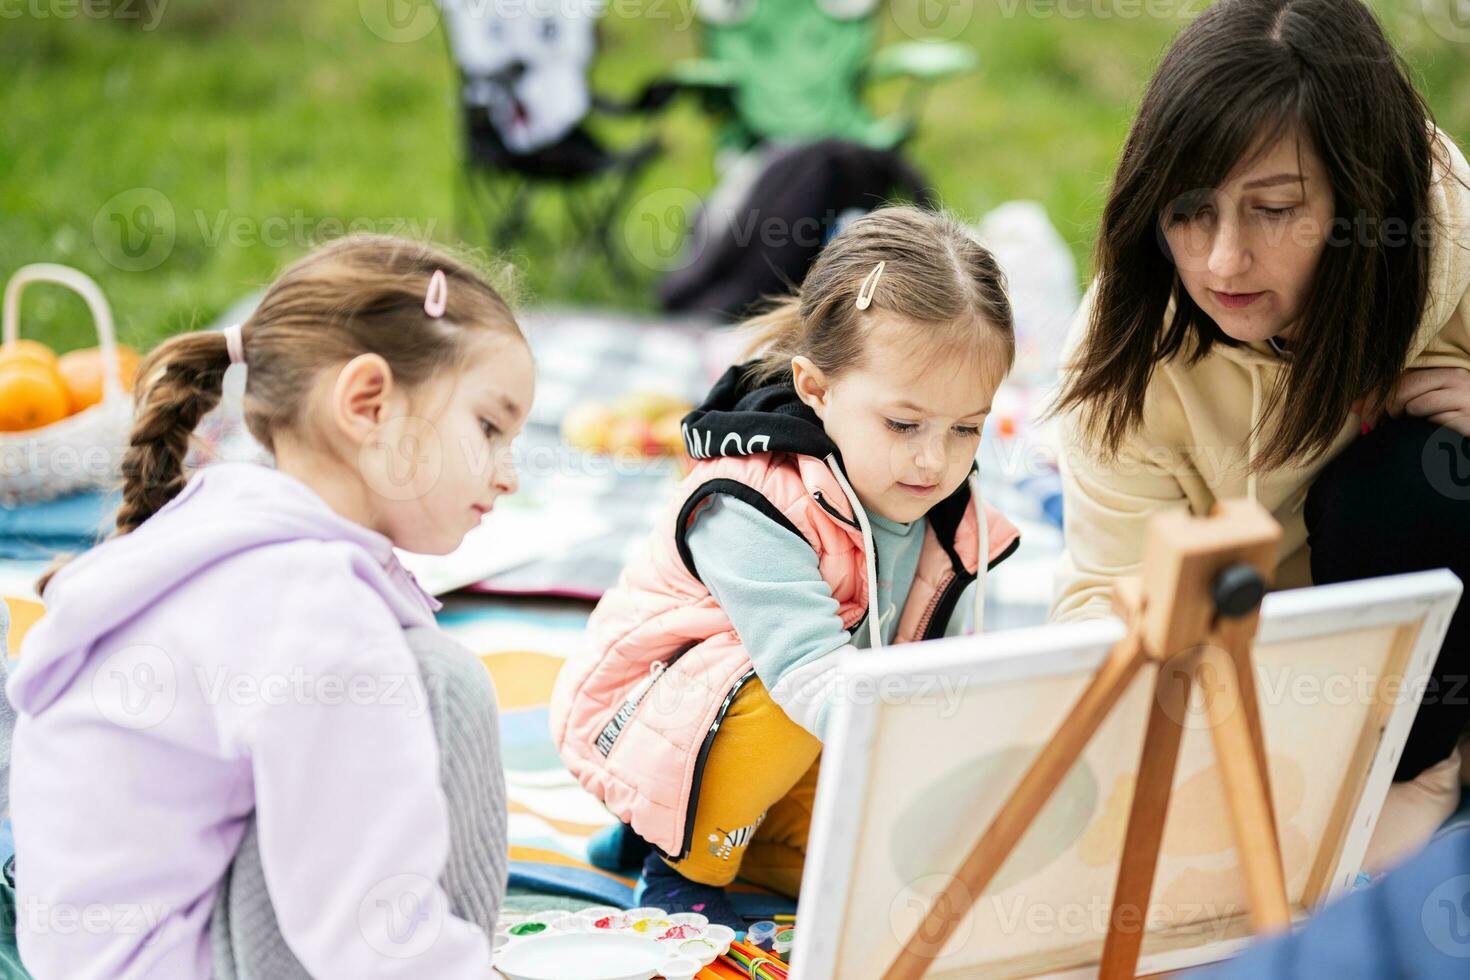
1247,251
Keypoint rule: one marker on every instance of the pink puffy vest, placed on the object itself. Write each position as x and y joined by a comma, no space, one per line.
634,717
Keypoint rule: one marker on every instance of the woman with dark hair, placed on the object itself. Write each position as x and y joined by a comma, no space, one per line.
1280,312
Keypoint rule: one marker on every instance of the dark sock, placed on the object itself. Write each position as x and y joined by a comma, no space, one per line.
617,848
664,888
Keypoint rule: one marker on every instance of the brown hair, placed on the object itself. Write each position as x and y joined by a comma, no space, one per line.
935,274
357,295
1242,74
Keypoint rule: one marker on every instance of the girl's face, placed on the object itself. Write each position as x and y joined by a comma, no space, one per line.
1247,251
908,428
437,462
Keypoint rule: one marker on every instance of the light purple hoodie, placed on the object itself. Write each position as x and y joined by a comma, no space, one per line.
241,651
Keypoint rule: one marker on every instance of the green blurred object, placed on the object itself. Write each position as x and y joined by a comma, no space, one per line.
794,70
10,965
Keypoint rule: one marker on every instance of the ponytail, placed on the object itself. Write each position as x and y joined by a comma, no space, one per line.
773,338
178,383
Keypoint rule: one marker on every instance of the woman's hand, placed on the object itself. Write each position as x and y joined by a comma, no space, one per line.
1441,395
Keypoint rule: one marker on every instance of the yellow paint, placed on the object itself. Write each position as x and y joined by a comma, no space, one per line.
1102,842
1199,820
23,615
523,678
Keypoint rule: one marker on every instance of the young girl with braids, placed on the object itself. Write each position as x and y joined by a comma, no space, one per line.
831,506
235,655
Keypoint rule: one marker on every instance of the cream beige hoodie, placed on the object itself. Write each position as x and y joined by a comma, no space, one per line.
1194,440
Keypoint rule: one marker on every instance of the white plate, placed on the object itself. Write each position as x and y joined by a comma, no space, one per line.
582,956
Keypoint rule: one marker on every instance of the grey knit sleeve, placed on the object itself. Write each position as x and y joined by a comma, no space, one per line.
245,939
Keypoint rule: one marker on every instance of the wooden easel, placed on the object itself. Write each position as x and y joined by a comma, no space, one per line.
1193,615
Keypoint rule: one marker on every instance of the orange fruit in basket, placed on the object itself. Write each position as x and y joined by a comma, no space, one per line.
30,396
32,351
81,373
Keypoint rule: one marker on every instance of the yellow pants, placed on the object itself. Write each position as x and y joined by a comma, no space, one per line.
755,799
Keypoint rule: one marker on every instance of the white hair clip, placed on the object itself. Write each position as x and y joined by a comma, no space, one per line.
235,342
437,296
870,286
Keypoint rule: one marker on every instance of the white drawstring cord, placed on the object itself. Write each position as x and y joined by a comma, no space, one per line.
875,615
1250,480
982,566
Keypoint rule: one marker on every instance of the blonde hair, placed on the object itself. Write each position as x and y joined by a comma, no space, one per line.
936,276
357,295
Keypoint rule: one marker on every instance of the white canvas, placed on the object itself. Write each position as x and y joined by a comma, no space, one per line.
932,738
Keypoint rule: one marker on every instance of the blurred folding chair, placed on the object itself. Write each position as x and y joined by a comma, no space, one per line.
525,100
787,71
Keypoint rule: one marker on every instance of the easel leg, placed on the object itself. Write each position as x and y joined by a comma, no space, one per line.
1236,637
1129,912
1239,748
1018,812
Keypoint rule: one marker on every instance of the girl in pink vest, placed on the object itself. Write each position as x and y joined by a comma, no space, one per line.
832,506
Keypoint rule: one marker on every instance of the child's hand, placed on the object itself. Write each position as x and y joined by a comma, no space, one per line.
1441,395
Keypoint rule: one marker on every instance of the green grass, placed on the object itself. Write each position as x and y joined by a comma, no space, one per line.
263,126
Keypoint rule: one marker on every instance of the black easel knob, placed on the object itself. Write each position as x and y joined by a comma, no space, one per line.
1238,589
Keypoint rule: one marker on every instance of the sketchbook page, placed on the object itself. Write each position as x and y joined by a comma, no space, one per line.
509,536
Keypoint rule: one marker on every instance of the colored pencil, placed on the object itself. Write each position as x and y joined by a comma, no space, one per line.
757,963
720,971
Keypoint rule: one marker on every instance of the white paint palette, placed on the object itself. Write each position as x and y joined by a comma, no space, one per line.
606,943
582,956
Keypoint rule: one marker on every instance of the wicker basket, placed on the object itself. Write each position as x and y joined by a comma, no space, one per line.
80,452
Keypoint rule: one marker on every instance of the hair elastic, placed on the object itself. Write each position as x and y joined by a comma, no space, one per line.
870,286
437,297
235,343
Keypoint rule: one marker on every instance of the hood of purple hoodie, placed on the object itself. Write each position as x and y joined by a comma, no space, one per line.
223,510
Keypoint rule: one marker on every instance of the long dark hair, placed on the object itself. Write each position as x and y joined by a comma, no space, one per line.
1242,74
